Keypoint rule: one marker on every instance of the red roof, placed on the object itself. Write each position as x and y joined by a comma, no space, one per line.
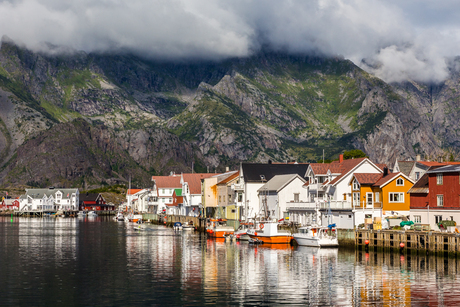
366,178
387,178
345,167
194,181
133,191
320,168
170,182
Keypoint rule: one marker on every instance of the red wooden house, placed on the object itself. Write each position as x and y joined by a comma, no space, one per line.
9,204
94,202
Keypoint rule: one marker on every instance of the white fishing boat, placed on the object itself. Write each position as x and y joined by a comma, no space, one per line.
92,213
119,217
317,236
242,232
81,213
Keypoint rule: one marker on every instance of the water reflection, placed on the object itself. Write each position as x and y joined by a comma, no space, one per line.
100,262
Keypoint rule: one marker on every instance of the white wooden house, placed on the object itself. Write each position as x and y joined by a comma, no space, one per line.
49,200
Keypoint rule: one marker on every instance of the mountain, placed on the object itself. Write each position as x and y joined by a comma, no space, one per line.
77,119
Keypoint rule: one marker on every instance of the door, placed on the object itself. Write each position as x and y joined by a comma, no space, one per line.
370,200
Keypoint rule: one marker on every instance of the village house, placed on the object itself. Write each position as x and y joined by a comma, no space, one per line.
192,192
280,192
329,196
162,192
436,196
416,169
49,200
213,198
229,204
380,195
252,176
9,203
93,201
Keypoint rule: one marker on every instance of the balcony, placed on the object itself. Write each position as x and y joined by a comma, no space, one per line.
313,187
237,187
368,205
321,204
301,205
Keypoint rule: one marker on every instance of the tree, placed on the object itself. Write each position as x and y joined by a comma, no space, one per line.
354,153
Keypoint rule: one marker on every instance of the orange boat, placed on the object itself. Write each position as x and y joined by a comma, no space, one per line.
219,229
268,233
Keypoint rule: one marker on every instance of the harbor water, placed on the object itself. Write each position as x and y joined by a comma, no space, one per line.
100,262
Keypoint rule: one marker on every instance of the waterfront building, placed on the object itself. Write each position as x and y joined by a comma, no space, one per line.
329,192
9,203
214,197
49,200
380,195
279,192
94,201
252,176
162,192
436,196
229,203
191,185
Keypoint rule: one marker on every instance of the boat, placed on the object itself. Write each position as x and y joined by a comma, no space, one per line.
81,213
119,217
188,226
217,228
242,232
177,226
134,218
268,233
317,236
92,213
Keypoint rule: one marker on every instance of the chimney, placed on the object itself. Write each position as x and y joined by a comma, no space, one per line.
385,171
227,169
341,158
418,158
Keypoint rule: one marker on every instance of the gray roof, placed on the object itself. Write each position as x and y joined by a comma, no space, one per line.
39,193
278,182
405,167
445,169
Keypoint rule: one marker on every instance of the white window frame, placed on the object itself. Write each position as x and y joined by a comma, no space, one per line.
400,182
371,203
355,185
417,175
391,197
377,197
440,200
356,198
417,219
439,179
296,197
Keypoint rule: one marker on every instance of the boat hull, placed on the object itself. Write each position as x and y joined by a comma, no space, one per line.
279,239
219,233
315,242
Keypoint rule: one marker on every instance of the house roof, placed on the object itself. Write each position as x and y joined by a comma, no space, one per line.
39,193
133,191
169,182
194,181
253,171
390,177
406,166
445,169
421,186
229,178
279,181
346,167
367,178
320,168
89,197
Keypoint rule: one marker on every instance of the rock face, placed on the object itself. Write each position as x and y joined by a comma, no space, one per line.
81,119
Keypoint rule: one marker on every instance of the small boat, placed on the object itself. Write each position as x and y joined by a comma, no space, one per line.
119,217
177,226
218,228
92,213
317,236
268,233
188,226
134,218
81,213
242,232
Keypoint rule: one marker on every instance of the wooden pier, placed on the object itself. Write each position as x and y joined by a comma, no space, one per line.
409,241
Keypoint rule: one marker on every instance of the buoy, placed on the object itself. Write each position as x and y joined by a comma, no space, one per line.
366,242
255,233
401,245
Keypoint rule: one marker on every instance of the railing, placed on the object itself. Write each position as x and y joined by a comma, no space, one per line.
301,205
333,204
336,204
316,187
367,205
237,187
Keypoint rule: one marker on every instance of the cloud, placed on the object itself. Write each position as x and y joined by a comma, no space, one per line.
404,39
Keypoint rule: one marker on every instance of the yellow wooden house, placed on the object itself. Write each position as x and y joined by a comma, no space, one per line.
380,195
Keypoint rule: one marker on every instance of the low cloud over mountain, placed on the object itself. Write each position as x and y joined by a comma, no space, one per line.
396,39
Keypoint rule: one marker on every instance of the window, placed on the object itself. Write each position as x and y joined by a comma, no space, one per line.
164,200
356,199
396,197
355,185
370,198
400,182
437,218
344,196
233,211
440,200
162,191
224,198
320,179
296,197
377,197
417,219
220,199
240,197
170,200
229,198
439,179
417,175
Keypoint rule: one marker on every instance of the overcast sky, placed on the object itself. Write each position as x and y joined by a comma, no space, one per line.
399,38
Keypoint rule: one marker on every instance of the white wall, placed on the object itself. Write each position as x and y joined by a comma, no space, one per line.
286,195
343,187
